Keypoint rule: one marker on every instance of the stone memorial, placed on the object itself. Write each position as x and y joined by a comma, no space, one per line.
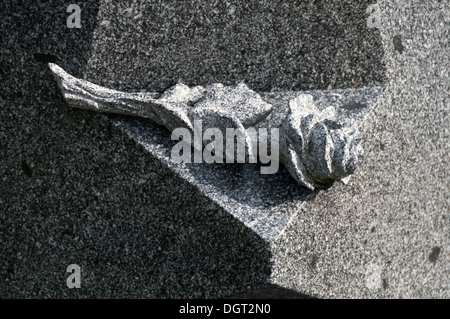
89,98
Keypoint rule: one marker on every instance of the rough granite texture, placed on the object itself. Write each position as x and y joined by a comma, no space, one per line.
264,203
76,189
269,45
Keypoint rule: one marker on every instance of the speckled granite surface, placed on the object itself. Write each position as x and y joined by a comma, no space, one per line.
280,45
264,203
76,189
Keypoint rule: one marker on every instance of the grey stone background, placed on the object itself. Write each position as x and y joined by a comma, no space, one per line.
387,233
76,189
269,45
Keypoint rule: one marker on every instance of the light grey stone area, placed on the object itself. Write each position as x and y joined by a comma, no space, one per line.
386,234
75,187
316,146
